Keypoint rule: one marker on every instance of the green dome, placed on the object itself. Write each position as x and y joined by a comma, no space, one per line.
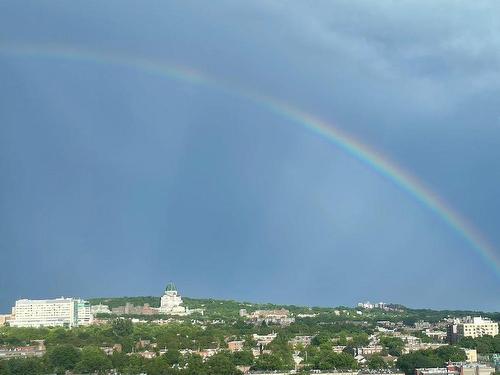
171,287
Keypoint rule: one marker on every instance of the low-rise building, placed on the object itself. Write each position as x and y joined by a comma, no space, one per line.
476,369
471,355
235,345
36,349
264,339
4,318
301,340
371,349
457,369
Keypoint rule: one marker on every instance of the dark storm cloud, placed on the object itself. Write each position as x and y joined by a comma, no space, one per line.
115,181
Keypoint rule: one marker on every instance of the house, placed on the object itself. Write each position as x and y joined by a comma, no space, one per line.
236,345
360,359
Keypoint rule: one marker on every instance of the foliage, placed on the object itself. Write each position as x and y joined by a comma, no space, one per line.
93,360
376,362
483,345
394,345
63,357
429,358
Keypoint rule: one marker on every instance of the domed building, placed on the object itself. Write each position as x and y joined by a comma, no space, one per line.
171,302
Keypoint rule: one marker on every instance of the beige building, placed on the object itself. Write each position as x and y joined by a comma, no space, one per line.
471,355
471,327
476,369
4,318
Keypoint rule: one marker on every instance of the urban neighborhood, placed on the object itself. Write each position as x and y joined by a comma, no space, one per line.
170,334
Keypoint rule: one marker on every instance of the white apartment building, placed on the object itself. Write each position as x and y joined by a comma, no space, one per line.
63,312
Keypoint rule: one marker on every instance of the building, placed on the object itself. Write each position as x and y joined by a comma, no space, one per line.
171,302
471,355
36,349
368,305
280,317
436,335
130,309
301,340
470,327
476,369
100,309
371,349
264,339
235,345
63,312
4,318
85,316
449,370
457,369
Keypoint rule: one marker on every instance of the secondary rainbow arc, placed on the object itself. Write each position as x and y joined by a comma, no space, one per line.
321,128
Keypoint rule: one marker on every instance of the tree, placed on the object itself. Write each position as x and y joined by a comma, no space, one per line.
360,340
376,362
221,364
451,353
119,361
172,356
63,357
93,359
4,368
319,339
195,365
244,358
420,358
268,362
24,366
394,345
122,327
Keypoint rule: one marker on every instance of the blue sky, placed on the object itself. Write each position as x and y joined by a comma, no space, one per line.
115,181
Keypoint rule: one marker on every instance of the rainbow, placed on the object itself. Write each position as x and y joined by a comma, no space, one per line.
307,121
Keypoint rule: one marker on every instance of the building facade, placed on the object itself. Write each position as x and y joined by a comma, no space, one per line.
171,302
85,316
59,312
471,327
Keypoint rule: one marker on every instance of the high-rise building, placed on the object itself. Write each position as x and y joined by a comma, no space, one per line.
85,316
64,312
471,327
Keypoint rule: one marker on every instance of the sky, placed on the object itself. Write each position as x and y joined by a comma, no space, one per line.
115,180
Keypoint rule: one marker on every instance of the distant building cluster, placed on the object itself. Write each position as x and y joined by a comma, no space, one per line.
73,312
368,305
170,303
280,317
130,309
